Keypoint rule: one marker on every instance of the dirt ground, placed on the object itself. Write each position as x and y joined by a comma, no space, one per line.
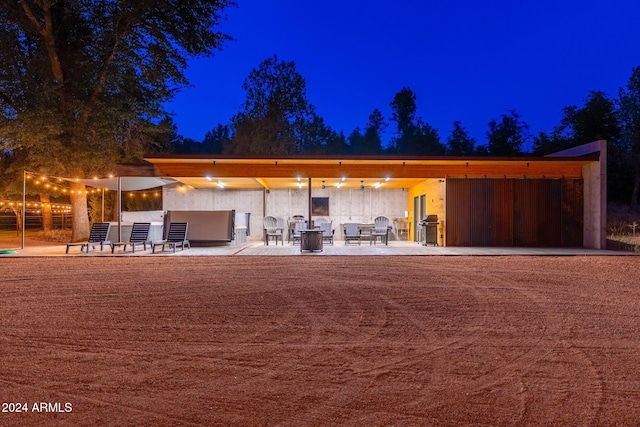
322,341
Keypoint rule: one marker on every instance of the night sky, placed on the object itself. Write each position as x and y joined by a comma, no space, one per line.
465,60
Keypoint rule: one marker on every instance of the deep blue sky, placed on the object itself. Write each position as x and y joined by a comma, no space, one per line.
465,60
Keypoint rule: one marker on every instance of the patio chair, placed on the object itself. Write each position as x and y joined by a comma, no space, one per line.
381,230
352,233
176,236
298,226
273,228
98,235
296,219
139,236
320,220
327,232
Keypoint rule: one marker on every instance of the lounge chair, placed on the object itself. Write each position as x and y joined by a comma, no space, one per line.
327,232
139,236
273,228
352,233
176,236
381,230
98,235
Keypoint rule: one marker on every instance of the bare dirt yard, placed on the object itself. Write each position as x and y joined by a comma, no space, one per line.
322,341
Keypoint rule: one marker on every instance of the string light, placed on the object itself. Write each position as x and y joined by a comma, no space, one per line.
59,186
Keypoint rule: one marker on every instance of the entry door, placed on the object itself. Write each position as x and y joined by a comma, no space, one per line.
416,218
419,212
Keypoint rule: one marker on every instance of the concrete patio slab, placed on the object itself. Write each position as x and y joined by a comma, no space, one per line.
395,248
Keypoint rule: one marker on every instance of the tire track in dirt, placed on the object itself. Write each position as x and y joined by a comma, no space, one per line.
462,341
584,389
410,366
463,356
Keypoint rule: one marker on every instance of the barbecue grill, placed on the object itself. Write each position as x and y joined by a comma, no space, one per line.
430,230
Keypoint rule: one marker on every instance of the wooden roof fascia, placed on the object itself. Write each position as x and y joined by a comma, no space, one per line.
370,171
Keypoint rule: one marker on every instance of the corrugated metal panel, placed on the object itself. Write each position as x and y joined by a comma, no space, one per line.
536,212
572,212
503,198
514,212
458,212
482,212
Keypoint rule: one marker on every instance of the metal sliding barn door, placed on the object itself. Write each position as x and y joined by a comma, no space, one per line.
514,212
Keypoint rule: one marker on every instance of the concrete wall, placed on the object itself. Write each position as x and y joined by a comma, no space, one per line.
184,198
344,205
595,193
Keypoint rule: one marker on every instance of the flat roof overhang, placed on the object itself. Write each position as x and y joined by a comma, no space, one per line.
243,172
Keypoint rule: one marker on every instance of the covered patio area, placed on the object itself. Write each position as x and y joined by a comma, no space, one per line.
553,201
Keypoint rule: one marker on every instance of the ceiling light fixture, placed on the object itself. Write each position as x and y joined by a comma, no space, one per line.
323,186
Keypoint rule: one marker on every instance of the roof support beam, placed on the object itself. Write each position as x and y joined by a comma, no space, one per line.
263,183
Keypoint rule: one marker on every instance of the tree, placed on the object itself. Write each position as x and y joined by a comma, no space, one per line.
506,138
355,142
83,82
414,136
403,109
459,142
596,120
336,143
313,136
276,117
372,138
215,140
403,112
629,99
426,141
547,143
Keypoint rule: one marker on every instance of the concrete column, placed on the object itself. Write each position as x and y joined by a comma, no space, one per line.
594,175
